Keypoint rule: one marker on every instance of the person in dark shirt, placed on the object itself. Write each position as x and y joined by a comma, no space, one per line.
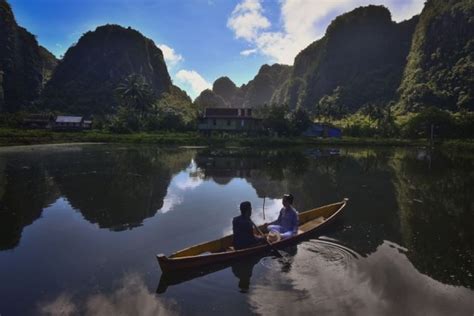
243,228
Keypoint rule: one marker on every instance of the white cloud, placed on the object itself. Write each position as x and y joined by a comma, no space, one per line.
247,20
303,21
406,9
248,52
193,81
171,57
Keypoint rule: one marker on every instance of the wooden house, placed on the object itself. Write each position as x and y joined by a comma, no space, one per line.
68,123
228,120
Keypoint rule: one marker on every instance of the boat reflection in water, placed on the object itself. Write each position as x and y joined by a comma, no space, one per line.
243,268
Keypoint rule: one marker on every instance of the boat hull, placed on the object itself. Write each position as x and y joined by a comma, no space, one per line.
170,264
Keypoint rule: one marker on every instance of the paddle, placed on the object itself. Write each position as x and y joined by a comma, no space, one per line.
266,240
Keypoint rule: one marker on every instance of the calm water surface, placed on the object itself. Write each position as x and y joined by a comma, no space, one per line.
80,226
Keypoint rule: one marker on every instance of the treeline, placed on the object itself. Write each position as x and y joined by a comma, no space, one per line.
381,123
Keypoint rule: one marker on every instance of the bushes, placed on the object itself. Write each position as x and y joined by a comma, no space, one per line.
12,120
282,121
419,126
126,120
140,110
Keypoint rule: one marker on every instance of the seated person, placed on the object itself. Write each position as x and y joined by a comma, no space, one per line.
287,222
243,228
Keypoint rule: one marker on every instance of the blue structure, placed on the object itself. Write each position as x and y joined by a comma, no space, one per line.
323,130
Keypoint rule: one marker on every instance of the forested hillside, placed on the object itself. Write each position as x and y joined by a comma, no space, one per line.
440,69
359,61
86,79
24,65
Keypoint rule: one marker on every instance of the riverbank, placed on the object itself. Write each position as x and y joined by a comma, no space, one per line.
11,137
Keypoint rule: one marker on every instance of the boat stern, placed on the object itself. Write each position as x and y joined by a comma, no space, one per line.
163,262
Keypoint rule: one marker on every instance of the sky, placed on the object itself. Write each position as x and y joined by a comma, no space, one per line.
201,40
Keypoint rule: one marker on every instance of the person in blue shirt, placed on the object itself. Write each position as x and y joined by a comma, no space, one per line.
287,222
243,228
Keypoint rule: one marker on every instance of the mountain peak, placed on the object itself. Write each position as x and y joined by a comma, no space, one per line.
86,78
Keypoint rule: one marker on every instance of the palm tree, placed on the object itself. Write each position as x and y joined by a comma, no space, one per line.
136,93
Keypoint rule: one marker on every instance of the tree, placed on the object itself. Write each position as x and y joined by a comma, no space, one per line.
173,111
275,118
136,94
420,124
299,121
332,106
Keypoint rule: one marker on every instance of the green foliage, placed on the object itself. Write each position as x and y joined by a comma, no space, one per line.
12,120
332,106
359,61
85,80
126,120
419,126
275,118
440,68
135,93
141,112
464,125
280,120
173,112
24,65
299,121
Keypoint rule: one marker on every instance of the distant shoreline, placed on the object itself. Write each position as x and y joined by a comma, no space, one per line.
15,137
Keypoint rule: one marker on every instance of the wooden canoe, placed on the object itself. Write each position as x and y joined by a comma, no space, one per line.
221,251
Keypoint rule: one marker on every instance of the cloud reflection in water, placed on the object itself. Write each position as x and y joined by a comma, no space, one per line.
132,297
186,180
384,283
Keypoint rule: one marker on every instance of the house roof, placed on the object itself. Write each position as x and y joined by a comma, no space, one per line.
227,112
231,118
68,119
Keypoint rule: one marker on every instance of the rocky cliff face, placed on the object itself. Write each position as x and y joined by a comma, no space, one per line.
255,93
440,69
85,80
361,59
266,83
24,65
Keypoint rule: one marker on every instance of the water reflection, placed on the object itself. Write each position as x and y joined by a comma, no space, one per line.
130,297
410,218
243,271
436,214
330,281
186,180
26,188
117,191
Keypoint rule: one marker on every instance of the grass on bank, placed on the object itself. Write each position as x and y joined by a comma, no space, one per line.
9,137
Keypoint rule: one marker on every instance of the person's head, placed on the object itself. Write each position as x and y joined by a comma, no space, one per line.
246,208
287,200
